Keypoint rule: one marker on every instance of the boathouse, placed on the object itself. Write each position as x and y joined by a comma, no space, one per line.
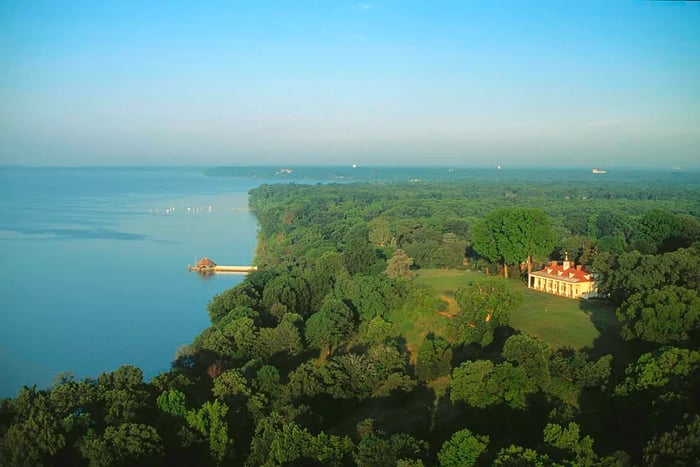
566,280
207,266
205,263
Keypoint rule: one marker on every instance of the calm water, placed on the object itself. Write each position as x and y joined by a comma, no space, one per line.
93,266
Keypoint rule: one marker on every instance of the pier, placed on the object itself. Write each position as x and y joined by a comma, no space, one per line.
207,266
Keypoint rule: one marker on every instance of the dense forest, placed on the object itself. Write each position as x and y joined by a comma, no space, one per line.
335,353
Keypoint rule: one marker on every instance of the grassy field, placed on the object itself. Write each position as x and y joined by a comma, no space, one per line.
559,321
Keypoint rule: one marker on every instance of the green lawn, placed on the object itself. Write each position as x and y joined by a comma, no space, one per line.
560,321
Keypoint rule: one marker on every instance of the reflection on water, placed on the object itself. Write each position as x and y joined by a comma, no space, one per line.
203,276
78,234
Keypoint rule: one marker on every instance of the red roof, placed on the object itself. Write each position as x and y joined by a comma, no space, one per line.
567,271
206,263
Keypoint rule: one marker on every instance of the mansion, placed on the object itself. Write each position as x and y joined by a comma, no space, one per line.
565,279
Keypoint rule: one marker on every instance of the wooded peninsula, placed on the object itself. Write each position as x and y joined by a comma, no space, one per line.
391,324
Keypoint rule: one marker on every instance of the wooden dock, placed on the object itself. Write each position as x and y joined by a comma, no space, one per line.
207,266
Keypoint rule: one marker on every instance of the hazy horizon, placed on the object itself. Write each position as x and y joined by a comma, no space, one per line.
611,168
376,83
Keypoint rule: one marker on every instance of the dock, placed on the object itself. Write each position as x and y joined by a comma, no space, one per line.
207,266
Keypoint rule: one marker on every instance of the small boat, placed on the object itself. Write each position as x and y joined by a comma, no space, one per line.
599,172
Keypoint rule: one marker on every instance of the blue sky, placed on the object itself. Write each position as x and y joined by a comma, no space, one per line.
463,83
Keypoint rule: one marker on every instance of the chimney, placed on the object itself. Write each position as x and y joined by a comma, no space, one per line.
578,267
554,264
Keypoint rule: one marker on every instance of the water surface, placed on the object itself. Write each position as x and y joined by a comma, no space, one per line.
93,266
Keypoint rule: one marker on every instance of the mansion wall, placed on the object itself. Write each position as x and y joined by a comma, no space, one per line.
565,280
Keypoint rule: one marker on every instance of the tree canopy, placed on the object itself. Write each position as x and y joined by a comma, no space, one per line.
513,235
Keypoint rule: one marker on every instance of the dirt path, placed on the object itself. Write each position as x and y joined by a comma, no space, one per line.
452,308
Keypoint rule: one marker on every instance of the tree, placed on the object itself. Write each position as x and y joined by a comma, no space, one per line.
469,381
687,234
512,235
291,291
35,436
614,244
366,295
536,228
244,297
657,230
210,422
434,358
285,338
235,339
76,404
482,384
609,223
124,394
281,442
172,402
516,456
124,377
665,316
409,463
462,449
490,239
373,450
530,355
267,379
230,383
322,274
621,276
579,450
484,305
124,445
358,255
288,444
351,376
377,330
657,370
376,448
68,395
399,265
581,249
330,326
380,232
678,447
576,368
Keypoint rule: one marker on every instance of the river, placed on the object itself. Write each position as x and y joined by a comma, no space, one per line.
93,266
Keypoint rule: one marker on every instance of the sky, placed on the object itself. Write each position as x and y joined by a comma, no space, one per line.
402,82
